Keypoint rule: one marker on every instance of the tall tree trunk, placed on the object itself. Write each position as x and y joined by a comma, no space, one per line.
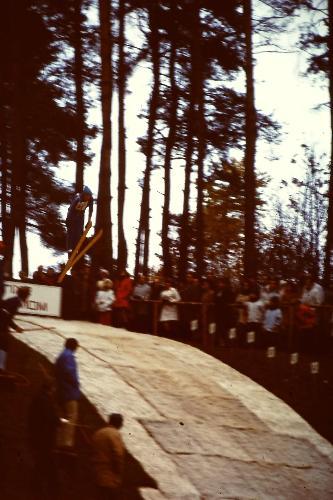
329,238
200,242
250,251
104,255
144,223
184,225
190,147
138,269
170,142
18,146
23,245
198,86
7,222
122,247
80,106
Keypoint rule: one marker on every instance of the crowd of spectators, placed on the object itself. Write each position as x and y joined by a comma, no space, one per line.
247,306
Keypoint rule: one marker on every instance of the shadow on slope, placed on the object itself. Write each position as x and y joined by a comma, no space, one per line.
74,473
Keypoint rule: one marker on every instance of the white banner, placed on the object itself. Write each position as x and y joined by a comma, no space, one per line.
43,301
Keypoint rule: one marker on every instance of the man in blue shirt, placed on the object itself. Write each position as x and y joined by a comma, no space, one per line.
68,390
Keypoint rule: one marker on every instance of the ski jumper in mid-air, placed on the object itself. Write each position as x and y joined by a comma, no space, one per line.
77,232
75,217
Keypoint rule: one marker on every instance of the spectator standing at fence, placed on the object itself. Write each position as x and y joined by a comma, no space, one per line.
121,307
255,310
272,323
289,300
50,277
289,293
207,292
24,277
104,299
263,287
243,295
169,312
140,308
208,297
189,314
156,288
310,335
312,293
39,276
269,291
8,310
85,296
108,458
68,391
224,299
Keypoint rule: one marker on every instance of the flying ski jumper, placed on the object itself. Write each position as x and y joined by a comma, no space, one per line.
75,217
76,233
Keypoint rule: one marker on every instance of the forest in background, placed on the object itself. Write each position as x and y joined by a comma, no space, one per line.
54,55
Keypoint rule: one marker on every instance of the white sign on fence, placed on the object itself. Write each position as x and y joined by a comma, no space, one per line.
212,328
294,358
271,352
232,333
194,325
314,367
43,301
251,337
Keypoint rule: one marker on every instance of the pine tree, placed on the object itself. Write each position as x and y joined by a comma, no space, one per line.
104,255
122,73
38,131
250,250
142,245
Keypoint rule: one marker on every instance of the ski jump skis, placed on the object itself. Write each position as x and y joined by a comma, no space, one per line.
76,254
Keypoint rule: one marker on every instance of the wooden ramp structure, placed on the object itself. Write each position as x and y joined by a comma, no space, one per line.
201,429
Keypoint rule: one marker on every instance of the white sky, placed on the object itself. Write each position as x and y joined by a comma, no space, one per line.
279,90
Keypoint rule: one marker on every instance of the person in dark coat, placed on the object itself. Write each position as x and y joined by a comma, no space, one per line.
108,457
75,217
189,314
224,298
68,390
8,310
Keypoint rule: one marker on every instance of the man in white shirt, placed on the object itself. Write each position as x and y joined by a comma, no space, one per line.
255,309
313,293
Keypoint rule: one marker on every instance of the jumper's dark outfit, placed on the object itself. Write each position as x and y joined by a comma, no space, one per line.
75,217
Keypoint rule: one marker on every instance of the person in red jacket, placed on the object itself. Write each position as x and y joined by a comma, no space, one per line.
121,307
